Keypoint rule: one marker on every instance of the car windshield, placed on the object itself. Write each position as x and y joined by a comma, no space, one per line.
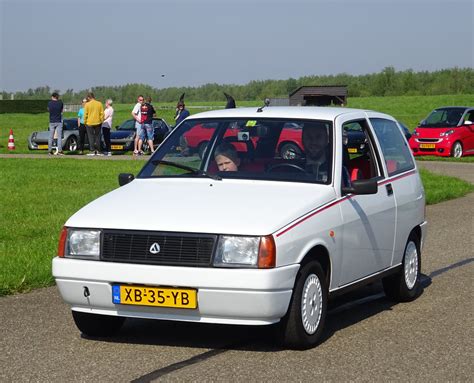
443,117
127,125
246,148
70,124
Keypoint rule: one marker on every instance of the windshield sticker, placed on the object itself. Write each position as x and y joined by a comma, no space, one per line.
251,123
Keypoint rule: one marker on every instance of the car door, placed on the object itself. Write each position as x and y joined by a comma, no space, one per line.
368,220
468,134
406,185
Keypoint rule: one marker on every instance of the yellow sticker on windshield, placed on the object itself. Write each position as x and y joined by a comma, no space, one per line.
251,123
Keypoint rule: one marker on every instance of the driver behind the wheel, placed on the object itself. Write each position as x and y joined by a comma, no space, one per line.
315,143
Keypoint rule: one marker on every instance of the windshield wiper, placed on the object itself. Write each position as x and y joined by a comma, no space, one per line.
193,171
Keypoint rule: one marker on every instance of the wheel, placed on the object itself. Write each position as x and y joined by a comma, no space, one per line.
303,324
404,286
290,151
97,325
456,150
146,147
288,166
71,144
202,149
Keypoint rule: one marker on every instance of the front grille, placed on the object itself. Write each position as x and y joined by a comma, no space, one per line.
178,249
432,140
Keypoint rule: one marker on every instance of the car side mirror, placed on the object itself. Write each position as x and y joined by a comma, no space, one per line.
369,186
125,178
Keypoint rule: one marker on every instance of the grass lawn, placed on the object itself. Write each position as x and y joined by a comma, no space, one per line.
39,195
445,159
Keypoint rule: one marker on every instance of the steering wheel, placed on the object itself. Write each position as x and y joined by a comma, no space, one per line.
272,168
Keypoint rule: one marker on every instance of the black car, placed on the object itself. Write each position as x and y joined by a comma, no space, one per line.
123,137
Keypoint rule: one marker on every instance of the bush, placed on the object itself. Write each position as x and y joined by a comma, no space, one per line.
23,106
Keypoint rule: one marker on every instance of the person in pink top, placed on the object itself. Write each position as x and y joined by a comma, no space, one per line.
107,125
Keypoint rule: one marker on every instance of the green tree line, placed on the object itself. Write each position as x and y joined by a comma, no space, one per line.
388,82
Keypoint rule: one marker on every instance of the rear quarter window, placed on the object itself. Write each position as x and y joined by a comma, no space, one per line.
394,146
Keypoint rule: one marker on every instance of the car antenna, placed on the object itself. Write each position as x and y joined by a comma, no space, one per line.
265,103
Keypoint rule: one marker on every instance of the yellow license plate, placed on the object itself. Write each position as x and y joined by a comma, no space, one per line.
427,146
154,296
116,147
42,146
352,150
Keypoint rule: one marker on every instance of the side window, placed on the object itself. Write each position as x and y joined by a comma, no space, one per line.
469,116
394,147
359,157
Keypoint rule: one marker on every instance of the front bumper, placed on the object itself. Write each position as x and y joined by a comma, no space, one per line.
227,296
122,145
441,148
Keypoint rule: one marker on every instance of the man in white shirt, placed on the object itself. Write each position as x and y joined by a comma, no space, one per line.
107,125
137,116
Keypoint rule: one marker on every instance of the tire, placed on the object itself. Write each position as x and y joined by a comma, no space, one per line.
202,149
290,151
145,147
71,144
303,324
456,150
405,285
95,325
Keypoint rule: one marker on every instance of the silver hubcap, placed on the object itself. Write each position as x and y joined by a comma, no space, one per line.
311,304
411,265
73,146
289,154
457,150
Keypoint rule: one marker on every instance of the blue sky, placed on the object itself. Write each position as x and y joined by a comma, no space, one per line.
79,44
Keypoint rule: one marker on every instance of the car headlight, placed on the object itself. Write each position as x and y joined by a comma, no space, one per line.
447,133
237,251
131,134
82,243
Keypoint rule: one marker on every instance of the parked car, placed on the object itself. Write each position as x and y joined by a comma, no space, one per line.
124,136
69,139
267,244
447,131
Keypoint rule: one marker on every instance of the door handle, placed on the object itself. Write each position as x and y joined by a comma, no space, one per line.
389,189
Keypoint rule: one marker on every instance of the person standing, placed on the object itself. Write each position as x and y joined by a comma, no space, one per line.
93,118
147,113
107,125
181,112
55,109
136,114
81,126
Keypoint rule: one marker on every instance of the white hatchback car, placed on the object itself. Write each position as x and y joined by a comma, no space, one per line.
236,234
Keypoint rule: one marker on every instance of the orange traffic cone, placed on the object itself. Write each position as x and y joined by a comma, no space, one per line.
11,141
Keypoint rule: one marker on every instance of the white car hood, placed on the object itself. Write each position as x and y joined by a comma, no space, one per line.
240,207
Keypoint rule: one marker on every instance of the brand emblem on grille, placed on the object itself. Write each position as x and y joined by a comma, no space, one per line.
155,248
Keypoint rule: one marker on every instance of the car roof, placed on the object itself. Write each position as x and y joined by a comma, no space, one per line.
454,107
302,112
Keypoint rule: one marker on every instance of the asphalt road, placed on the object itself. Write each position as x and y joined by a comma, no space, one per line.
367,339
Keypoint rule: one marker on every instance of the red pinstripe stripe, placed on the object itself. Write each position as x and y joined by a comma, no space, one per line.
314,213
334,203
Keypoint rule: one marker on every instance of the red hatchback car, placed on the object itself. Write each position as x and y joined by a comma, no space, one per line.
447,131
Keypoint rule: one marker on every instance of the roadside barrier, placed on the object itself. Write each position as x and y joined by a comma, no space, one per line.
11,141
